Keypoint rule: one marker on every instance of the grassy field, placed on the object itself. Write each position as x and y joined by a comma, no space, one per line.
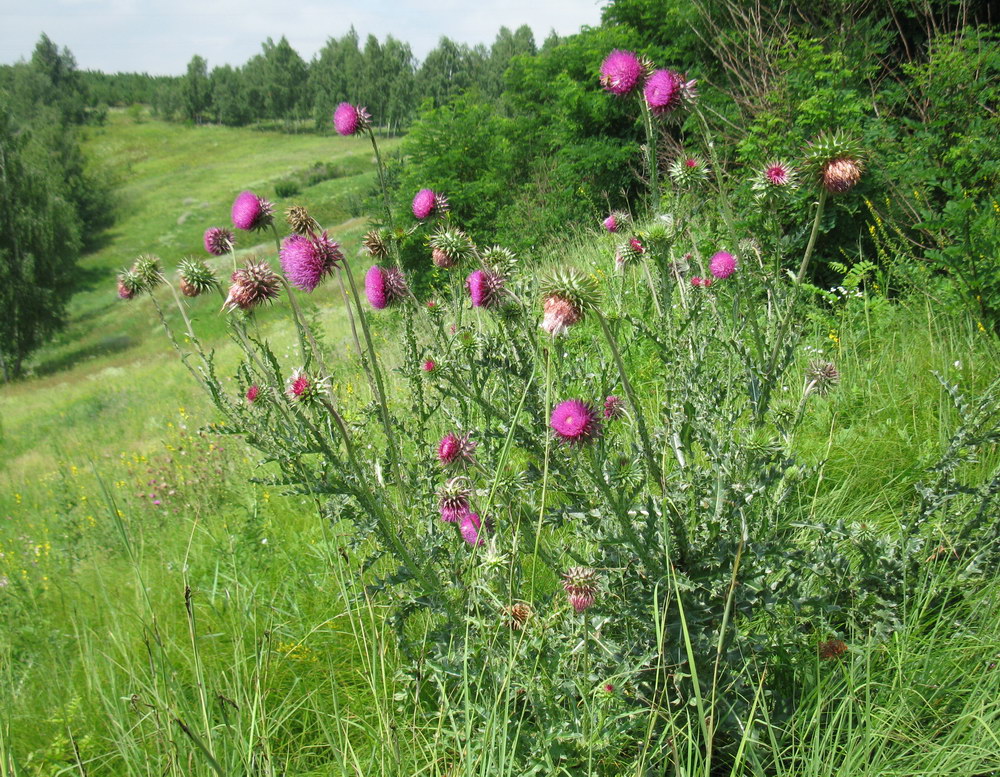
165,614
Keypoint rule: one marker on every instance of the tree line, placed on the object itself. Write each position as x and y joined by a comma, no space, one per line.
277,84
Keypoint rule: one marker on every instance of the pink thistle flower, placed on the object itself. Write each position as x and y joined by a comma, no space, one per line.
691,162
218,240
778,174
614,407
615,221
485,288
456,450
697,281
300,387
608,688
663,91
383,287
423,203
306,260
252,393
637,245
251,212
722,265
124,291
575,421
580,584
470,529
348,119
429,366
621,72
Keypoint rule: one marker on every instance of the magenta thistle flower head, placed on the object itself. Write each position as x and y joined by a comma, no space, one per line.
252,393
611,223
575,421
470,528
306,260
485,288
300,387
251,212
428,366
614,407
722,264
384,287
348,119
456,450
219,241
663,91
777,173
621,72
454,499
424,203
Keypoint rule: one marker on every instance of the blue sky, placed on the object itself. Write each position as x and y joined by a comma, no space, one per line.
160,38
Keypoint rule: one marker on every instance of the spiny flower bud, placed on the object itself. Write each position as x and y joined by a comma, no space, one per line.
196,277
566,295
836,160
453,499
252,285
147,270
128,284
580,584
628,252
688,171
449,247
299,220
823,376
499,259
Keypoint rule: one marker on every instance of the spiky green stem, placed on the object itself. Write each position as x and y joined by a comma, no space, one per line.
381,180
652,162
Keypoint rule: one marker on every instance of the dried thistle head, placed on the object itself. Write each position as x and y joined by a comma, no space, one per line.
147,270
822,375
376,243
517,615
299,220
831,648
252,285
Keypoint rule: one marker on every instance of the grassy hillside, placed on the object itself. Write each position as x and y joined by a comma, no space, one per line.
167,611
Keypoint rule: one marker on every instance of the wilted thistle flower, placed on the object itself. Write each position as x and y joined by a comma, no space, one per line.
614,407
252,285
449,247
566,295
722,265
252,393
456,450
252,213
575,421
349,119
219,240
580,584
832,648
486,288
836,160
453,499
663,91
688,171
823,376
628,252
517,615
384,286
196,277
300,387
472,530
306,260
423,203
621,72
376,243
128,284
299,220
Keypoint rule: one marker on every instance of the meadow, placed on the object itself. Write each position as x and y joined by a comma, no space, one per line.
176,601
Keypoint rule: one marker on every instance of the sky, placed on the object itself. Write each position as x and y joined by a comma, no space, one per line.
160,38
